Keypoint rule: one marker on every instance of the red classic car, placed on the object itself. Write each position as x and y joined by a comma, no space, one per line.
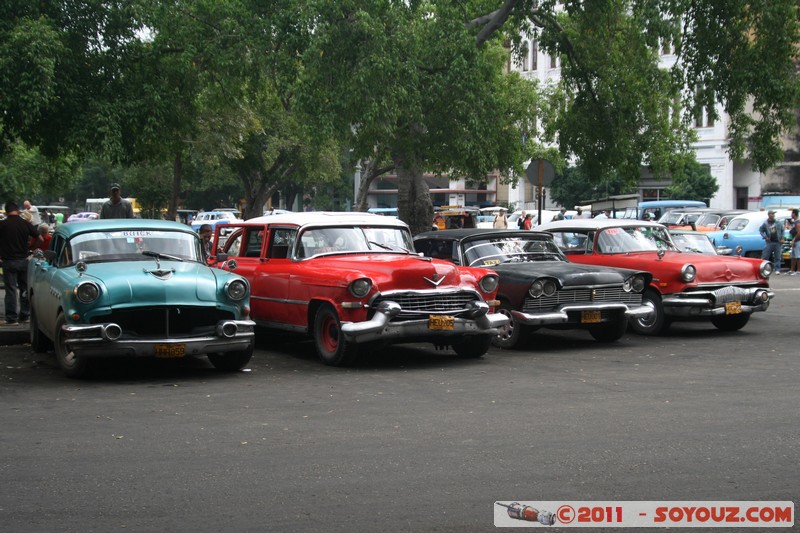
352,281
727,290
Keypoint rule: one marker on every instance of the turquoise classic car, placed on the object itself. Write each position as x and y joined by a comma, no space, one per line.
116,288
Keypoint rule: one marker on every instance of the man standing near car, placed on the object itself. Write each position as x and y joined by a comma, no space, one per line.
116,206
15,235
772,233
206,232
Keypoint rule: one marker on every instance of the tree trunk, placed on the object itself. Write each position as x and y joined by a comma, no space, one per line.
371,171
177,178
414,205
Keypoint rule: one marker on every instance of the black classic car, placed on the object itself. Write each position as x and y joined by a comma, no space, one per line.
539,286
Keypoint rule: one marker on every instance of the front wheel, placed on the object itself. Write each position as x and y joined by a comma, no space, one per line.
72,366
332,347
473,346
231,361
609,332
657,322
730,322
512,335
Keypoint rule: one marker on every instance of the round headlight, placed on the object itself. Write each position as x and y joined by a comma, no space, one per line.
549,287
489,283
360,287
536,289
87,292
236,289
766,269
638,283
688,273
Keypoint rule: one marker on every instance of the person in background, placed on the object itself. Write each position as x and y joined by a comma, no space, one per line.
116,206
794,249
521,220
772,233
603,214
59,218
42,242
206,233
528,222
560,214
501,220
15,234
36,219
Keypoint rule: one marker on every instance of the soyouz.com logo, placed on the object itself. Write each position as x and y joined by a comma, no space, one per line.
726,514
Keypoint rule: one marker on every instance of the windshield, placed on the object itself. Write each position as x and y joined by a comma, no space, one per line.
132,245
699,244
634,239
512,248
348,239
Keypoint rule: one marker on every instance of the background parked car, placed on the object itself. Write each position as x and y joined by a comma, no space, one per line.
696,242
352,282
539,287
83,217
724,289
135,287
742,236
214,218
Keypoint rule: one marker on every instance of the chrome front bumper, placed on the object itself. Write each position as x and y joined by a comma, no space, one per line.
560,314
712,303
108,340
380,326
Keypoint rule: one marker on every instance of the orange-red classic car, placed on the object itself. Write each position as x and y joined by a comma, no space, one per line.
353,281
724,289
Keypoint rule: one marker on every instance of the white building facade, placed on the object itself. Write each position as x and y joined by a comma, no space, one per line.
739,185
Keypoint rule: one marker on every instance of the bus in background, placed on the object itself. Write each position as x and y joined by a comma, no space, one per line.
384,211
658,207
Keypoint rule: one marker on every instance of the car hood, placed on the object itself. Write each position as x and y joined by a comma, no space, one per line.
710,268
569,274
388,271
148,283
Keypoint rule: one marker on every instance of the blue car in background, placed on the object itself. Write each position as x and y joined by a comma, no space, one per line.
742,236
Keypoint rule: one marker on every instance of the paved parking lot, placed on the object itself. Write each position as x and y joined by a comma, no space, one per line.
410,440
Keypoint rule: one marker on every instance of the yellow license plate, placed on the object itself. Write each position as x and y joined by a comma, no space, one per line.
733,308
170,351
441,322
590,317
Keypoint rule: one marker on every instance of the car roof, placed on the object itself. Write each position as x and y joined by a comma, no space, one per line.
328,218
120,224
750,215
597,223
460,234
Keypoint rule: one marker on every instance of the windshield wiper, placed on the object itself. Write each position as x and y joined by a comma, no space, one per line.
390,248
159,255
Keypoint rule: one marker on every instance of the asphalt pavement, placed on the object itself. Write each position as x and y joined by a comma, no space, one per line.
411,439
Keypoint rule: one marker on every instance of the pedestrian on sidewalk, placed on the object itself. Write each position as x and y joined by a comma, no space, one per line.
15,235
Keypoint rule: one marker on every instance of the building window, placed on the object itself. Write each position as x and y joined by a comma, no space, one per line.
534,55
525,52
553,61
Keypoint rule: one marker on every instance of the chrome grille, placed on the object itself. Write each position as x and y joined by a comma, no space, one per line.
426,303
571,296
164,321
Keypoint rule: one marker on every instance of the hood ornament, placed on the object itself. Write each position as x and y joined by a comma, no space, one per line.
161,273
435,281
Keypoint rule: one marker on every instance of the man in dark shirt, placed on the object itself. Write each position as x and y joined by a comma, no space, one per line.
116,206
15,235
